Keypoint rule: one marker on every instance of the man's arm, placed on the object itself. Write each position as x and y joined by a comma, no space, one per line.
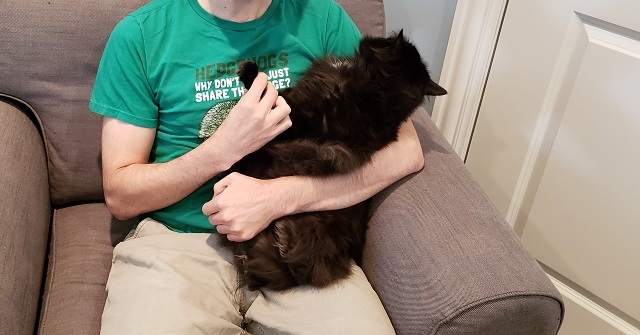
387,166
243,206
132,186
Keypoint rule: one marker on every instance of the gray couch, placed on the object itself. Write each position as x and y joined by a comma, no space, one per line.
438,253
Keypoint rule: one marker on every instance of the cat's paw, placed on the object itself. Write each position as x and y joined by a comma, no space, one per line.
247,72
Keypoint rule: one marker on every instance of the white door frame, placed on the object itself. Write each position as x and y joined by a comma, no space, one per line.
474,34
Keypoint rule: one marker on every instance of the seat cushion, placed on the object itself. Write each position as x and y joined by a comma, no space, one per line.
82,241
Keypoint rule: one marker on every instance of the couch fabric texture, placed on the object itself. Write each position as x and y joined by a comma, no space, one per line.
438,253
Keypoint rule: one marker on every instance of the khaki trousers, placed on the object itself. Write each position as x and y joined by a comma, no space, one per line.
163,282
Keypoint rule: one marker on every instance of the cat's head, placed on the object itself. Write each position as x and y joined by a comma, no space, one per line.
398,62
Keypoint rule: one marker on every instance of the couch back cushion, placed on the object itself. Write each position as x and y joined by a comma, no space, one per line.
50,54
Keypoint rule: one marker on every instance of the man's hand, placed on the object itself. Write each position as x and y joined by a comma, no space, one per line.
254,121
243,206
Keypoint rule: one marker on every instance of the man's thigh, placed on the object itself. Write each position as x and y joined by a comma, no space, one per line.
348,307
162,282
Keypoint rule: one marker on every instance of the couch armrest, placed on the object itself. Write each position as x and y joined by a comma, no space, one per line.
444,261
24,219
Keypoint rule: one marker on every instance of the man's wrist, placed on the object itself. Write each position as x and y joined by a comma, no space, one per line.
221,152
297,193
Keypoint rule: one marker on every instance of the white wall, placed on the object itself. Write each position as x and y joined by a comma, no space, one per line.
427,23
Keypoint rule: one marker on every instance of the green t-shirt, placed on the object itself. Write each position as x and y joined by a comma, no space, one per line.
171,65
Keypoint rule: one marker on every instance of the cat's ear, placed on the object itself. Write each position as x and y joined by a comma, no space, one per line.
434,89
397,43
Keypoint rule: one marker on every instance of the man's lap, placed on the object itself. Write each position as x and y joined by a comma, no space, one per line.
162,282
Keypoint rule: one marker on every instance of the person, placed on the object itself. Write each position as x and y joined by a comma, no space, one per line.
175,119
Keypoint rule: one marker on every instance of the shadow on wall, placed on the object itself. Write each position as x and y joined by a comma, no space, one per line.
427,24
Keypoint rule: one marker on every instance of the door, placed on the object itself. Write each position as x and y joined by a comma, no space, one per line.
556,145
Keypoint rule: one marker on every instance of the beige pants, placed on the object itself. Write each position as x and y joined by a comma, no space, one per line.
162,282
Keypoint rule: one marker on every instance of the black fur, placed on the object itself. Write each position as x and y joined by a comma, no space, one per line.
343,110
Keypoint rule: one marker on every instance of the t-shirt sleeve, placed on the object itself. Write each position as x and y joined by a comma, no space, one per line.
122,90
342,34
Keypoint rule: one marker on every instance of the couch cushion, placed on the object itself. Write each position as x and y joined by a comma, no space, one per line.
367,14
24,229
50,54
82,241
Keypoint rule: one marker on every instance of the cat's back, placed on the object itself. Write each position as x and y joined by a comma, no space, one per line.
329,72
337,99
338,84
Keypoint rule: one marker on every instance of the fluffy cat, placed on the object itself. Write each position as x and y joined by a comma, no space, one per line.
343,110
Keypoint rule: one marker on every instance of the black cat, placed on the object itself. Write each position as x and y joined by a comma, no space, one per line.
343,110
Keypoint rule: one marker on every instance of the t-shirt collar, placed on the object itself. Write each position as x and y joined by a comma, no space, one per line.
236,26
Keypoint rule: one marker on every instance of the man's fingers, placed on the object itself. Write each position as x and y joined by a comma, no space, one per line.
235,238
223,183
222,229
231,235
258,86
270,97
282,105
283,125
211,207
219,187
280,113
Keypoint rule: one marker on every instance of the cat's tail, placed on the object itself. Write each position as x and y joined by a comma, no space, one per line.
247,72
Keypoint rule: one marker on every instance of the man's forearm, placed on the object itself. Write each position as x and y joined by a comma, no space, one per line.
140,188
388,165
